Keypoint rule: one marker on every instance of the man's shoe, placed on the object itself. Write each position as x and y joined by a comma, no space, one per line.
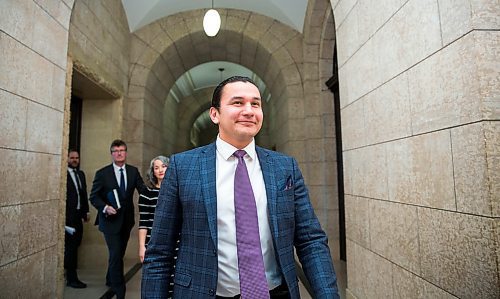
76,284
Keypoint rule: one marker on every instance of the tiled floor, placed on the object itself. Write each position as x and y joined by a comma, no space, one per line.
95,280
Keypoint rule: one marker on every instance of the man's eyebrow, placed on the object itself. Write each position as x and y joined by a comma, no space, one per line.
241,98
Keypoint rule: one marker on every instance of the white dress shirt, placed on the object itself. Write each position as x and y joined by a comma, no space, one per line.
228,284
117,174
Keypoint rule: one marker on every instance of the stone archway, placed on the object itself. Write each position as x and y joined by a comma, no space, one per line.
162,52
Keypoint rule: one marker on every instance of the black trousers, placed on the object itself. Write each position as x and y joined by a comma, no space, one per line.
117,245
71,243
280,292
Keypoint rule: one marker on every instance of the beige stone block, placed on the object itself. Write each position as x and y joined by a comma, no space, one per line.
492,137
137,48
38,223
461,16
362,73
409,285
348,35
348,157
475,161
411,35
420,171
463,86
387,111
257,26
35,167
50,39
50,259
459,253
17,20
149,33
353,126
58,10
44,135
14,116
175,27
23,278
24,65
357,220
315,150
366,173
341,11
394,233
373,166
374,14
54,179
369,275
12,170
9,233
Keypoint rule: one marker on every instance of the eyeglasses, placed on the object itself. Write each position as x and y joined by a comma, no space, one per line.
119,151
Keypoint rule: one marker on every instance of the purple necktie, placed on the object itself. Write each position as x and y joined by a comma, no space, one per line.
253,282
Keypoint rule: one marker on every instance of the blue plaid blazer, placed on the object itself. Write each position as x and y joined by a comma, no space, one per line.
187,206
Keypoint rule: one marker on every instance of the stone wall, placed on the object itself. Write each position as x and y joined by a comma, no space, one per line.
420,111
33,51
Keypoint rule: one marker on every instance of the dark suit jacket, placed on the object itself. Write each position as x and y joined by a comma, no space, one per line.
104,182
74,216
188,205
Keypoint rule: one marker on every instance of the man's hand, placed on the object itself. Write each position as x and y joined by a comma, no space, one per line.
109,210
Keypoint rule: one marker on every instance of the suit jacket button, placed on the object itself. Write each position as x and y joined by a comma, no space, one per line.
211,292
214,252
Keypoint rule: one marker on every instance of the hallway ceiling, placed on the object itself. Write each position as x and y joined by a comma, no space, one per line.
142,13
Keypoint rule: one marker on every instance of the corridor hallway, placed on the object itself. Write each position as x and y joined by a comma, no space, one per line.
94,278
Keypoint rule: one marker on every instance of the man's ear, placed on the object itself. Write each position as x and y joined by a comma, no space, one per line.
214,115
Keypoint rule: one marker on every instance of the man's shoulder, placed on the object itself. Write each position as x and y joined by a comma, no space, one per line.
273,154
195,152
105,168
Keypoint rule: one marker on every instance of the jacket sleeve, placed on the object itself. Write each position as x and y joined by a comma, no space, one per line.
311,243
84,200
97,190
159,261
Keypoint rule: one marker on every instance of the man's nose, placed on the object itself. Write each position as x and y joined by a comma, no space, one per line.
247,108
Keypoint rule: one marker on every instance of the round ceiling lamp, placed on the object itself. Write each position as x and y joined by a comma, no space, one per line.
211,22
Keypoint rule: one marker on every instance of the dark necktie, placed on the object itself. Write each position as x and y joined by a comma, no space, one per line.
77,178
122,182
78,189
253,282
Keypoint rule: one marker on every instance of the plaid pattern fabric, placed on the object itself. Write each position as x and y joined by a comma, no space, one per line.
187,206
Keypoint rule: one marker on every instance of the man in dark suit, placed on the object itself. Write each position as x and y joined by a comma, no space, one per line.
239,210
112,195
77,208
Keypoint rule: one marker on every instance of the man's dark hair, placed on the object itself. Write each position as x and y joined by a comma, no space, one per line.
73,150
218,90
117,142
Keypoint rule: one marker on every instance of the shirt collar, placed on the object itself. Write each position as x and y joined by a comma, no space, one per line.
117,168
227,150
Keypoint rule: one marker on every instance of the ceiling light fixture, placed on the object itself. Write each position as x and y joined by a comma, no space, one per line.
211,21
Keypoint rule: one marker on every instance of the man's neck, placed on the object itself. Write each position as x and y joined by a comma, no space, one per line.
121,164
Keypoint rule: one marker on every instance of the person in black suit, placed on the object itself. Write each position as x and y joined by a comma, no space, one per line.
112,195
77,209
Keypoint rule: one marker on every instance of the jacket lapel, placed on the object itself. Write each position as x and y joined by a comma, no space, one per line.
266,164
208,187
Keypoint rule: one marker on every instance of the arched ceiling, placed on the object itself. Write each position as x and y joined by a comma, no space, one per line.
142,13
210,74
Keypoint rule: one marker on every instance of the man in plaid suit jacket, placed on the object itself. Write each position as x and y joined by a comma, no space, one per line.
193,207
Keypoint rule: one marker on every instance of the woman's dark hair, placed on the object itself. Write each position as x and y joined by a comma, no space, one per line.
218,90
